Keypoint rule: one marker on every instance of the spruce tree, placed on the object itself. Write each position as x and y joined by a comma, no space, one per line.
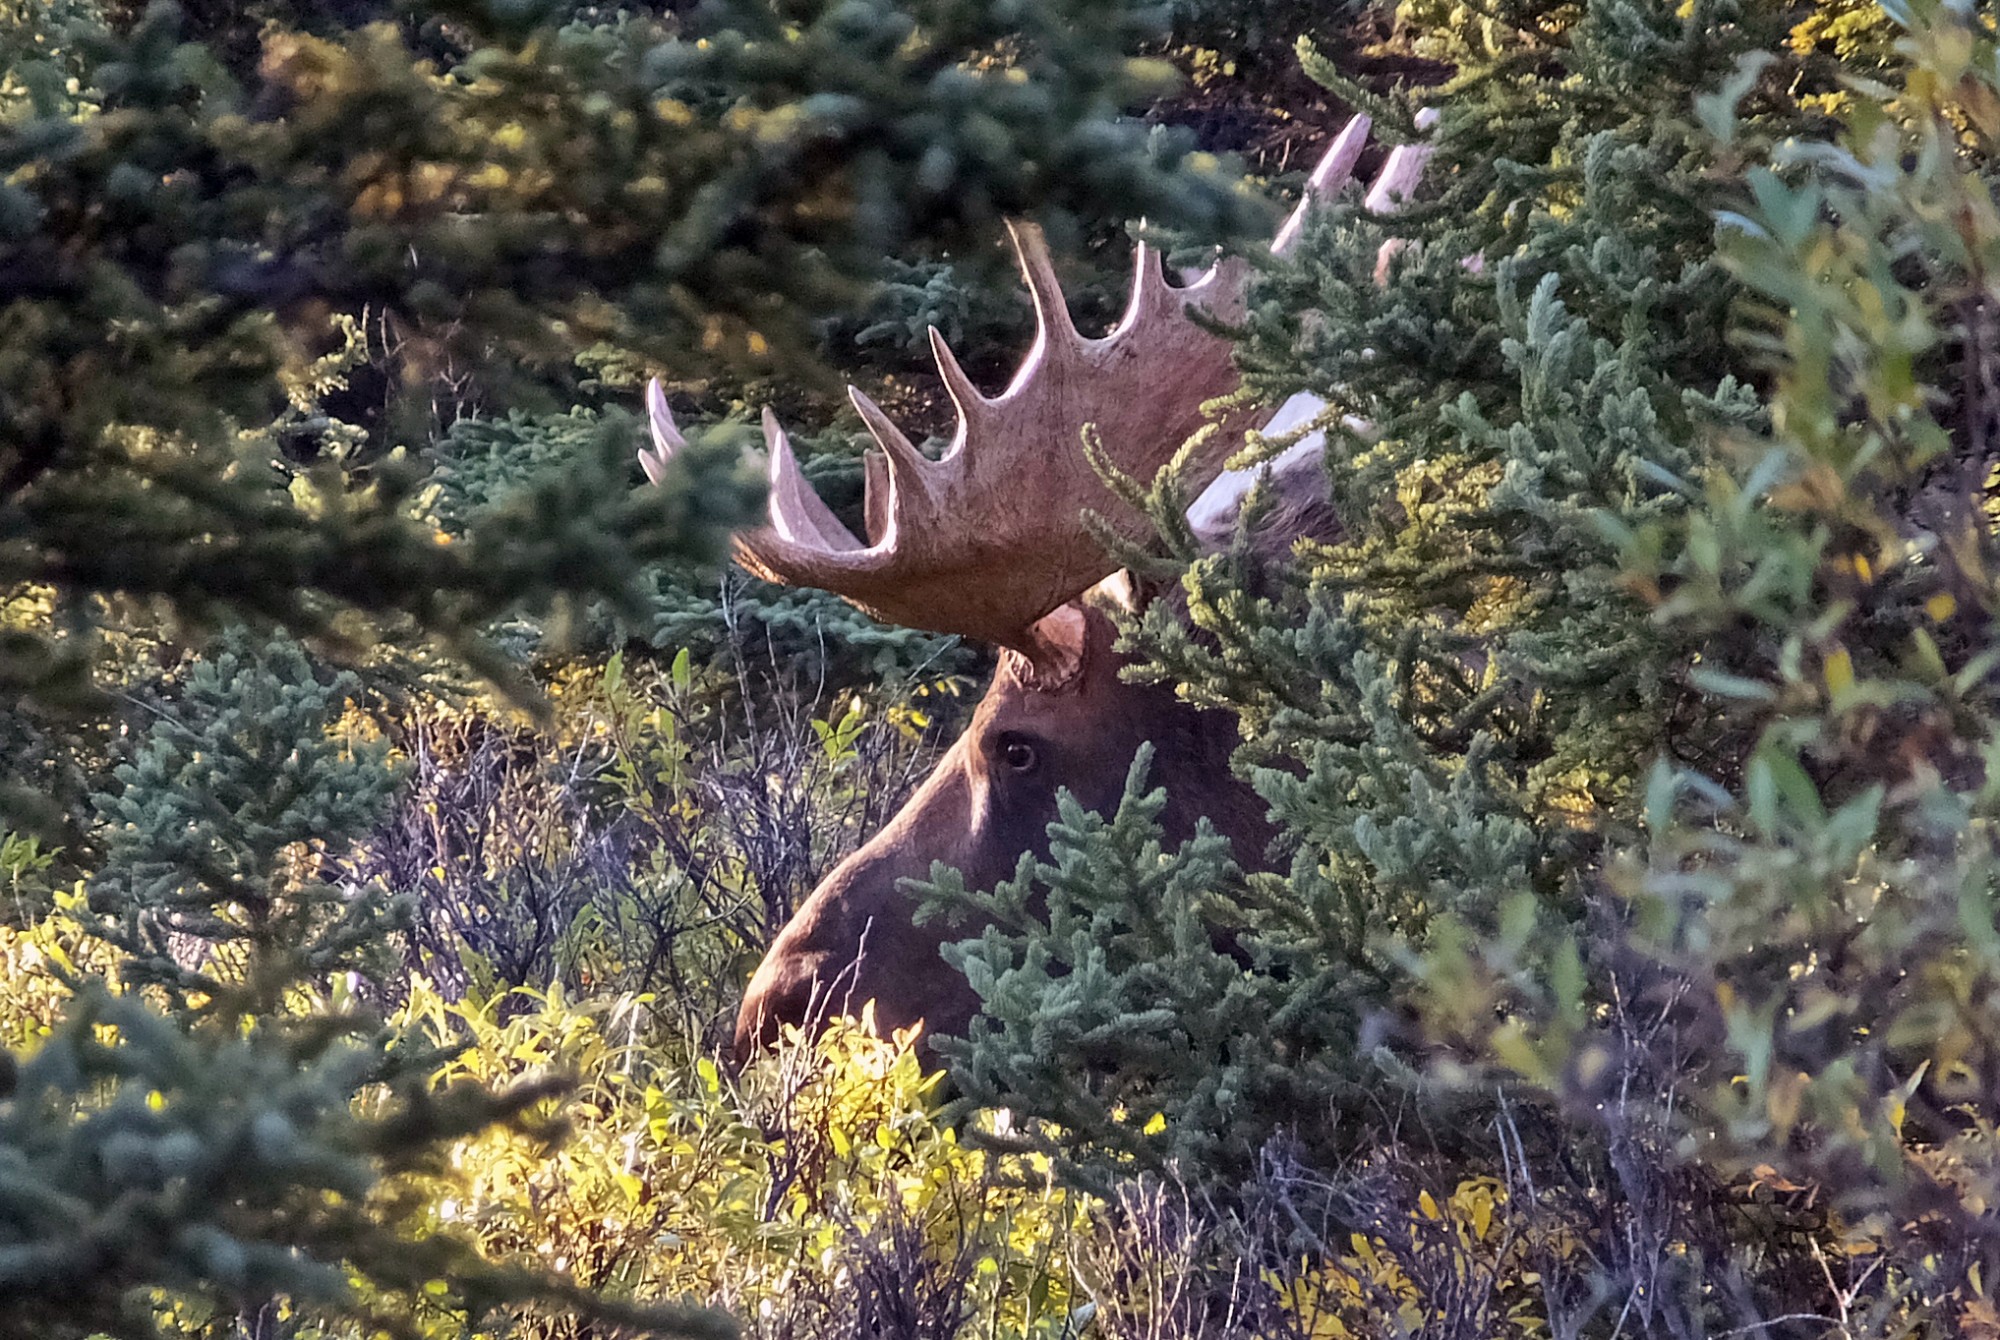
237,789
1797,982
240,301
179,247
1633,749
1447,707
242,1155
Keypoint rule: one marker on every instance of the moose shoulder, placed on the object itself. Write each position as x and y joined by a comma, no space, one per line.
989,542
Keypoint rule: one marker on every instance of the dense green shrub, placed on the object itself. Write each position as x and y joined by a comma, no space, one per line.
1794,977
244,287
1631,748
1627,960
689,197
186,1145
1445,708
239,782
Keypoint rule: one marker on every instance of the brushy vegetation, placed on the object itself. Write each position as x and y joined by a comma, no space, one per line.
397,798
1633,748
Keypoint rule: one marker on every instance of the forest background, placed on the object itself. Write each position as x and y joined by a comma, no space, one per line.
397,794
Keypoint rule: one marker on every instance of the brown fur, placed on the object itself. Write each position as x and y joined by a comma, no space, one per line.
855,939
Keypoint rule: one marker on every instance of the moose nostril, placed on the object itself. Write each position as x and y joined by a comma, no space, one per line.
803,983
752,1036
763,1015
787,992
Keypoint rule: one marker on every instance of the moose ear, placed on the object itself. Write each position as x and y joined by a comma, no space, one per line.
1060,642
1058,645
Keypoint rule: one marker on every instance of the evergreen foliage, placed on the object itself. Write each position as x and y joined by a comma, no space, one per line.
1814,932
1631,751
204,1177
920,295
692,196
1102,956
205,884
1447,707
243,1151
244,291
1626,959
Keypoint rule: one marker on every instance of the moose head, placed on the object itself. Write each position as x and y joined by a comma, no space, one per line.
989,542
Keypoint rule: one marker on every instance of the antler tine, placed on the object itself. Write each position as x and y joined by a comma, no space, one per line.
1398,177
1213,511
798,514
1393,187
988,542
1149,288
666,433
1334,171
1031,249
878,497
909,469
957,385
1221,285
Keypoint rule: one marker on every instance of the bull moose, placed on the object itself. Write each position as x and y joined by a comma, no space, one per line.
989,542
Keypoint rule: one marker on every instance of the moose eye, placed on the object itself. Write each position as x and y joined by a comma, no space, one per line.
1018,754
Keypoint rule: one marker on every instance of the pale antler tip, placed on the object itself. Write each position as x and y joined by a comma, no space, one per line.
1149,290
1031,250
1335,169
666,434
784,466
1149,272
1398,178
959,386
905,461
797,513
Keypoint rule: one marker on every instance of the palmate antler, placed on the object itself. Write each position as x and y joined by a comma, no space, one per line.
989,539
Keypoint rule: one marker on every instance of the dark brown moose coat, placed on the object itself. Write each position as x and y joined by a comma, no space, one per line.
991,798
